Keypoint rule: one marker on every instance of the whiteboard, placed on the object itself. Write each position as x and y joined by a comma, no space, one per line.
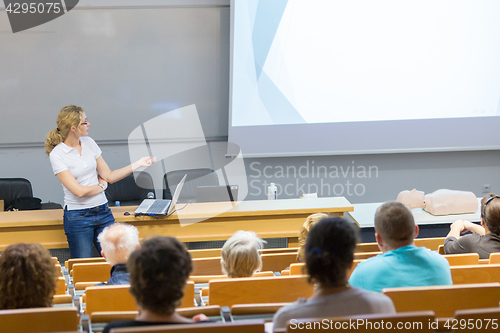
124,66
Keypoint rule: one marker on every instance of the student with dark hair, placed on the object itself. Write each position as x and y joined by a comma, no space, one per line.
329,253
158,274
402,264
28,277
485,238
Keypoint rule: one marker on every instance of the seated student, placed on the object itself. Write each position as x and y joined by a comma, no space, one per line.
28,277
485,238
402,264
310,222
118,241
240,254
329,254
158,273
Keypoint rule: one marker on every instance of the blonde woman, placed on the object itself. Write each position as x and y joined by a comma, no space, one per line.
77,162
240,254
311,220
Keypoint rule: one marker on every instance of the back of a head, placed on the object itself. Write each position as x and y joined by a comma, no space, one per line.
158,274
329,251
395,224
28,277
310,222
118,241
490,212
240,254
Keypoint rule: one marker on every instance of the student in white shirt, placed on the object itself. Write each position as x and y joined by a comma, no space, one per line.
77,162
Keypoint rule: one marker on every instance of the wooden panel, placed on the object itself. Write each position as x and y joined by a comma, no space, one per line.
475,274
256,309
494,258
445,300
254,326
118,298
462,259
70,262
430,243
276,262
259,290
37,320
207,266
484,320
91,272
61,286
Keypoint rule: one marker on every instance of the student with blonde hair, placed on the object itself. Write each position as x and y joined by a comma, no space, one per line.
310,222
77,162
240,254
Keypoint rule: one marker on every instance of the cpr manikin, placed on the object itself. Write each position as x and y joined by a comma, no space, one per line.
440,202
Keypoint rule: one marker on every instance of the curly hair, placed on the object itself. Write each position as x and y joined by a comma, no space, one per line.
28,277
158,274
70,115
330,251
310,222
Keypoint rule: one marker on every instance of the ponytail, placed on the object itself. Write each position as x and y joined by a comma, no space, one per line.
54,138
70,115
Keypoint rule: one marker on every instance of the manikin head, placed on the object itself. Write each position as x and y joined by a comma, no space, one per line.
412,199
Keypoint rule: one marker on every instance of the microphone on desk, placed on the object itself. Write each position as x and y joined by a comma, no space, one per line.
151,195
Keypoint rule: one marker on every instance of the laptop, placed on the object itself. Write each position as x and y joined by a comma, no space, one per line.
217,193
159,206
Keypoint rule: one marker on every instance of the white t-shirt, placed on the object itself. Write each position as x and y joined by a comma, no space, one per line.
350,302
83,167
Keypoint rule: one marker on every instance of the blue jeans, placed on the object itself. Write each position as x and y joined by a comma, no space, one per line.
82,226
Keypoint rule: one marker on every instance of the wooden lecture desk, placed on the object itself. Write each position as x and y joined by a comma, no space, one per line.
217,221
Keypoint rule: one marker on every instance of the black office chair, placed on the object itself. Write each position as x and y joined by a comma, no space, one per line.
14,188
129,191
195,178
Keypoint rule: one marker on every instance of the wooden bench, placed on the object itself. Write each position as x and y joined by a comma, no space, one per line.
445,300
91,272
494,258
37,320
118,298
259,290
276,262
207,278
483,320
475,274
68,264
61,286
462,259
299,269
254,326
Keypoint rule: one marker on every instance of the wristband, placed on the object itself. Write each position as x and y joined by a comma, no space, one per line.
102,186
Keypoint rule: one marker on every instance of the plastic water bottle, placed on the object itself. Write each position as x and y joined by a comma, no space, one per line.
272,192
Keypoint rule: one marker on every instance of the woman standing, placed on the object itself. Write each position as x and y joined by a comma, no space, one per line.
76,160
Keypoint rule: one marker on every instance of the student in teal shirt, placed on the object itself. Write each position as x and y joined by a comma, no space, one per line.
402,264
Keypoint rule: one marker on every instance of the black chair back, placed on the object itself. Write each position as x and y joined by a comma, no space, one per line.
195,178
130,191
13,188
